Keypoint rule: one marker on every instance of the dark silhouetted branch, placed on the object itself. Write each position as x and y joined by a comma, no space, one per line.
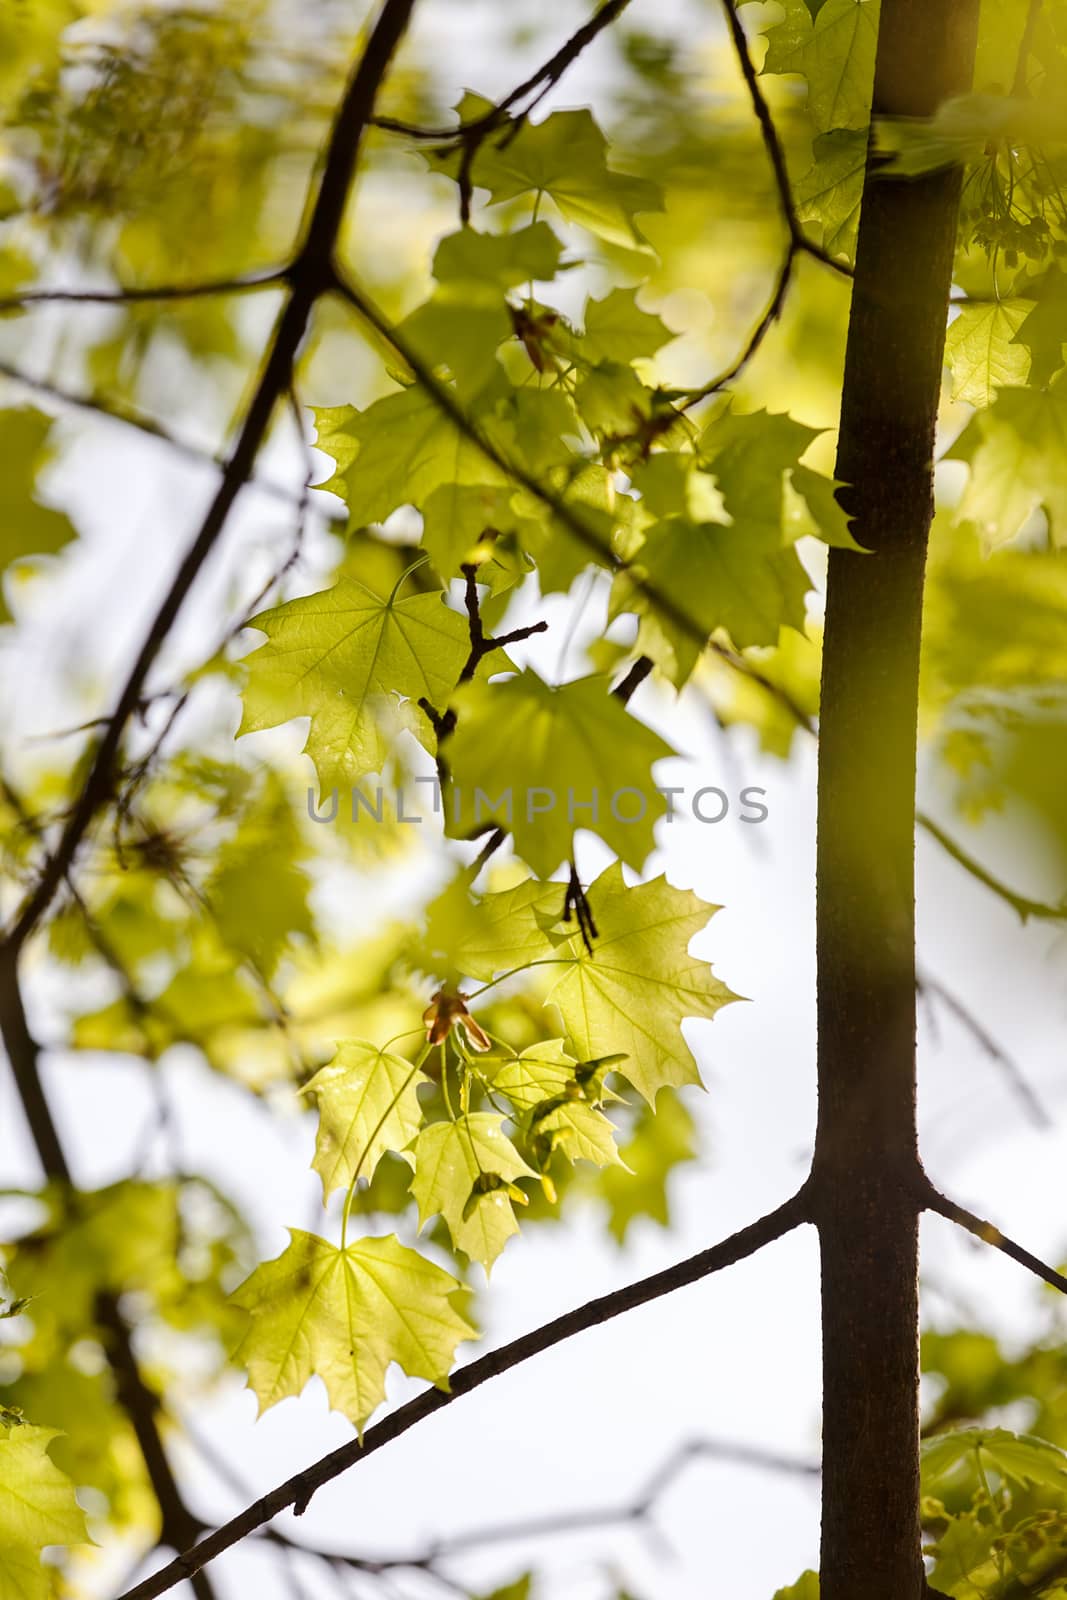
934,1200
297,1491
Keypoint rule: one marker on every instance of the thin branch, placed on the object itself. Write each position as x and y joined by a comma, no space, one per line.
178,1524
798,239
482,644
1027,1098
756,337
1019,85
298,1490
546,76
628,686
311,273
447,403
571,1520
798,242
112,411
934,1200
151,295
1021,904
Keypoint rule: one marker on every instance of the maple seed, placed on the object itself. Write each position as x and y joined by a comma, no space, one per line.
447,1011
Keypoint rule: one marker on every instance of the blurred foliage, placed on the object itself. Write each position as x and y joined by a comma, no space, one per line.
616,261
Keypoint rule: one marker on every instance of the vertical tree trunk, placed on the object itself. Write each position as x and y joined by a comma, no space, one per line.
865,1188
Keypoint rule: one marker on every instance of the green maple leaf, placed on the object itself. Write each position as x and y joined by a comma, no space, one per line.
807,1585
834,50
983,352
750,455
1043,332
564,157
538,1073
579,1130
632,992
29,528
735,577
661,1140
829,193
568,748
479,936
461,327
505,259
37,1508
1018,1456
367,1101
353,663
465,1172
1017,452
345,1315
457,517
396,453
258,914
616,329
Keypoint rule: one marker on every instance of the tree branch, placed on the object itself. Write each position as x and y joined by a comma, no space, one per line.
551,1524
150,295
447,403
177,1523
1020,904
298,1490
798,239
545,78
130,418
934,1200
1028,1100
310,274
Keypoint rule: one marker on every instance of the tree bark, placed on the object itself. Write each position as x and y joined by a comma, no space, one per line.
866,1190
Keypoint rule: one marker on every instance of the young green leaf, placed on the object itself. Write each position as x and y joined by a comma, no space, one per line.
465,1171
632,992
834,50
983,352
367,1101
565,157
37,1508
344,1315
30,529
573,758
353,663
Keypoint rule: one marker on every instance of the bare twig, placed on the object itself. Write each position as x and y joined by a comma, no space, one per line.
798,242
1013,1073
298,1490
546,76
627,686
1022,905
150,295
128,416
798,239
934,1200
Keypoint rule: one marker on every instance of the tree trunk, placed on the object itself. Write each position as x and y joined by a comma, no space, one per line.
866,1190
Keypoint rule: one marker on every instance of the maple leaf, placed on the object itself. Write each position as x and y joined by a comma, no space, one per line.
353,663
37,1508
344,1316
631,992
574,757
465,1171
367,1101
29,528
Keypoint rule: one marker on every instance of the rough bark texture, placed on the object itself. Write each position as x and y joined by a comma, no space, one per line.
867,1190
